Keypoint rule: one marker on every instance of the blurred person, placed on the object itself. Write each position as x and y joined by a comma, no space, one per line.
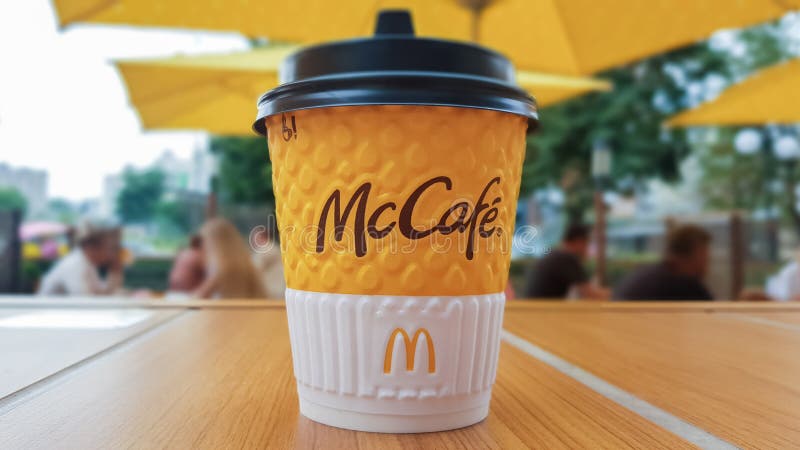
267,259
560,273
229,270
511,294
93,267
680,274
785,285
188,270
755,295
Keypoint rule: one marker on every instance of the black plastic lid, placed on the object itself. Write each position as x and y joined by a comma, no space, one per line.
396,68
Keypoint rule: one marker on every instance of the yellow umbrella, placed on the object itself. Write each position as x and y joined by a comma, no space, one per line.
575,37
769,96
218,93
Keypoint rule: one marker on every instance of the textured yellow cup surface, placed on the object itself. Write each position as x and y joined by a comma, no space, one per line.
458,159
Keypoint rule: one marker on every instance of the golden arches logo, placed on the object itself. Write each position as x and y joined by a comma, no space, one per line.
411,349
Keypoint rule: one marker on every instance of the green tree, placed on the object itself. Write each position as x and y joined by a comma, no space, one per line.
244,172
730,180
61,210
141,191
12,200
177,214
628,119
761,180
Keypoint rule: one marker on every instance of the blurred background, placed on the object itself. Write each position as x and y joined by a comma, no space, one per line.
138,119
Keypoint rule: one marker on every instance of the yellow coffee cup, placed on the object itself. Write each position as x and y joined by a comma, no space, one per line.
396,171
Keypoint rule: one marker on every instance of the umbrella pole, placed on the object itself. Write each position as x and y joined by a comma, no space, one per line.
601,171
600,235
475,26
476,8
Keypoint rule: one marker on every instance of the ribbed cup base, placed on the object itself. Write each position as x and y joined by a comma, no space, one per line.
392,363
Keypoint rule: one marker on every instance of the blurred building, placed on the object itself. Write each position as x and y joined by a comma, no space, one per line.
111,187
31,183
183,176
193,174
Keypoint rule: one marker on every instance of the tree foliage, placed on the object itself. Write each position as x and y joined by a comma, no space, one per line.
61,210
628,119
245,173
140,194
12,200
758,181
177,214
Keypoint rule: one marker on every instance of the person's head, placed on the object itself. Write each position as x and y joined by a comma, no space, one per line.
576,239
195,242
228,258
263,237
688,250
222,242
99,244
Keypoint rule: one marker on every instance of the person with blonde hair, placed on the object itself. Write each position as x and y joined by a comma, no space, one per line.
229,269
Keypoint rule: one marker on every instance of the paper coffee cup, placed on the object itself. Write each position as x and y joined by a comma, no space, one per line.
396,223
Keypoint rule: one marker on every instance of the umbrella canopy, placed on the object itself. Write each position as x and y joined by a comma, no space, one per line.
215,93
218,93
33,230
576,37
770,96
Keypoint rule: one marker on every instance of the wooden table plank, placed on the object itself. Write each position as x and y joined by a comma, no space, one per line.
789,318
737,379
31,354
26,301
222,379
617,307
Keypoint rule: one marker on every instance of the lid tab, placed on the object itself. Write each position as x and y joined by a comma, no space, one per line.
394,22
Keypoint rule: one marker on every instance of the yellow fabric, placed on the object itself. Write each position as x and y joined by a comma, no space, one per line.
769,96
550,89
218,93
576,37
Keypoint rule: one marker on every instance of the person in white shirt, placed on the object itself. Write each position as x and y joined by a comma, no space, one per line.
785,285
78,273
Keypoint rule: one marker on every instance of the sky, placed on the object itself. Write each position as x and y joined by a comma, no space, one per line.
63,106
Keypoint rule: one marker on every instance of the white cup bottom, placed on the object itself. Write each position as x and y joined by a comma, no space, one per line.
392,423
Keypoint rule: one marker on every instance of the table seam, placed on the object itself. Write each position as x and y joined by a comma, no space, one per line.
11,401
763,321
674,424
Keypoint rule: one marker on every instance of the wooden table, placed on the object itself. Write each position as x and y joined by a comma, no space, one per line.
218,375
